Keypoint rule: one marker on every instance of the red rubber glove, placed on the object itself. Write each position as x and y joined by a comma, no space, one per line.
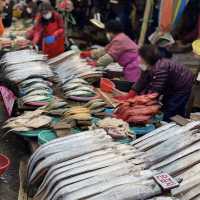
130,95
85,54
92,63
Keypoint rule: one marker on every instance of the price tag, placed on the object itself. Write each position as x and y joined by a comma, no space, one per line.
166,181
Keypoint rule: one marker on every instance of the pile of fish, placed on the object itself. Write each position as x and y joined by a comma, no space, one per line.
22,56
35,91
30,71
75,67
139,109
116,128
73,75
57,107
28,121
82,115
98,168
78,87
20,65
89,165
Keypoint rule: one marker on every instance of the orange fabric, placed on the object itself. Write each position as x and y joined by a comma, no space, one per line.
1,27
166,15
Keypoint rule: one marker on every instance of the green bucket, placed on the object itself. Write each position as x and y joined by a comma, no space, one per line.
46,136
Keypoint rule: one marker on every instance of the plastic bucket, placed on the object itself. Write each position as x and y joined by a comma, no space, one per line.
4,164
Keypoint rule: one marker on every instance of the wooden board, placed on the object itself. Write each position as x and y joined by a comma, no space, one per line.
180,120
22,177
108,99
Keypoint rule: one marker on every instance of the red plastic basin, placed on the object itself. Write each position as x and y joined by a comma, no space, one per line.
106,85
4,164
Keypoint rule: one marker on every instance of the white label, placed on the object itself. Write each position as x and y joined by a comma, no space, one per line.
166,181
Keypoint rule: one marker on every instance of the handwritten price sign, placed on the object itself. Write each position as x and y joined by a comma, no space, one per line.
166,181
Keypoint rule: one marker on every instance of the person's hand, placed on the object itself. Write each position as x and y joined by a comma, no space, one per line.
49,39
85,54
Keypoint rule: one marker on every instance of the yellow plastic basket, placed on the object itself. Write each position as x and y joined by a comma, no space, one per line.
196,47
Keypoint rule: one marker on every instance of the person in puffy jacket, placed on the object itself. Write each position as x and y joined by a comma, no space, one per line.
121,49
48,31
165,77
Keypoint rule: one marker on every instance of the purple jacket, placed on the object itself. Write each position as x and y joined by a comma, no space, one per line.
124,51
166,77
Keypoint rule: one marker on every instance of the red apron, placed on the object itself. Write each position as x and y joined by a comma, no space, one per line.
53,50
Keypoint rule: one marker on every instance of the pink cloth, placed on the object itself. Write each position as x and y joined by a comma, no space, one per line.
8,99
124,51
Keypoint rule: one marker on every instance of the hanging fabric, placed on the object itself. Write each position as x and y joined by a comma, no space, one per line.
179,9
166,15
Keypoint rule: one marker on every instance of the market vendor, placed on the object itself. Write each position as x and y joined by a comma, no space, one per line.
165,77
121,49
31,9
8,13
48,31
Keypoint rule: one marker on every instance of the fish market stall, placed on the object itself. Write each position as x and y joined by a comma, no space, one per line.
102,169
86,142
31,74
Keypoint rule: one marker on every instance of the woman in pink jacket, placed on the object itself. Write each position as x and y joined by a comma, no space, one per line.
121,49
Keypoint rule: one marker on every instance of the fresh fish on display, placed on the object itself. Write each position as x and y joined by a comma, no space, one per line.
35,87
190,172
155,132
80,93
23,71
36,98
88,146
38,92
90,165
77,161
59,145
134,191
191,194
71,86
116,169
79,88
56,104
78,80
179,155
171,146
34,81
61,57
72,69
22,56
28,121
26,91
62,175
101,187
